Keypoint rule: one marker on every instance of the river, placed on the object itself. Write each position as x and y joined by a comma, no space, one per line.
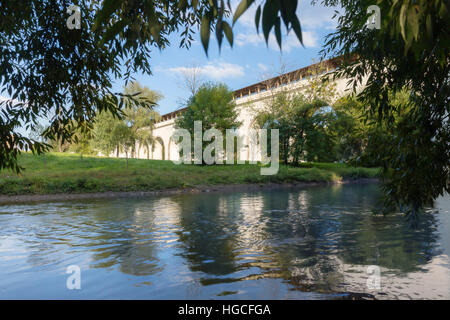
318,242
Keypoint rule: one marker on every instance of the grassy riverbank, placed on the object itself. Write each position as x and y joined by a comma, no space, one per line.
69,173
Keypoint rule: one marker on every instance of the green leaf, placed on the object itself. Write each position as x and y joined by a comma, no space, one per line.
269,17
219,34
258,18
182,4
108,8
228,32
413,22
289,11
242,7
297,29
114,30
155,31
443,10
429,25
402,20
205,33
278,31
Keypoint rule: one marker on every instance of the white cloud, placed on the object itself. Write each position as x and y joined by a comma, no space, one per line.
248,18
316,17
289,42
262,67
310,39
216,70
251,38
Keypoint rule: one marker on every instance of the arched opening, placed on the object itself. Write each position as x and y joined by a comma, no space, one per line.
172,150
158,149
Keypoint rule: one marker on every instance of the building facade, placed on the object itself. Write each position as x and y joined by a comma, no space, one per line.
248,101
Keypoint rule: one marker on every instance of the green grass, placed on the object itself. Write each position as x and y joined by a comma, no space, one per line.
69,173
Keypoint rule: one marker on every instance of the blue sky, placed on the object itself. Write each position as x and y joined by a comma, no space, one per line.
249,61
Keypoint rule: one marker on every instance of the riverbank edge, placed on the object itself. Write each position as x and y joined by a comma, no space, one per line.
27,198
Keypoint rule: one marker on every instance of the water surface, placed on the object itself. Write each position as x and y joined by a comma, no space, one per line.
309,243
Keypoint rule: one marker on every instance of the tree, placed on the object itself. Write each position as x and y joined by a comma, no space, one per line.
410,50
361,138
112,134
300,118
104,132
145,139
82,142
319,87
214,106
123,136
275,116
192,78
48,69
350,129
303,127
140,119
321,141
110,131
37,133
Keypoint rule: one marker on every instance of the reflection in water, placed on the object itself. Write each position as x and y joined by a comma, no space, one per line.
310,243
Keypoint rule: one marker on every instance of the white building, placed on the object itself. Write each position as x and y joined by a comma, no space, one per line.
247,100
